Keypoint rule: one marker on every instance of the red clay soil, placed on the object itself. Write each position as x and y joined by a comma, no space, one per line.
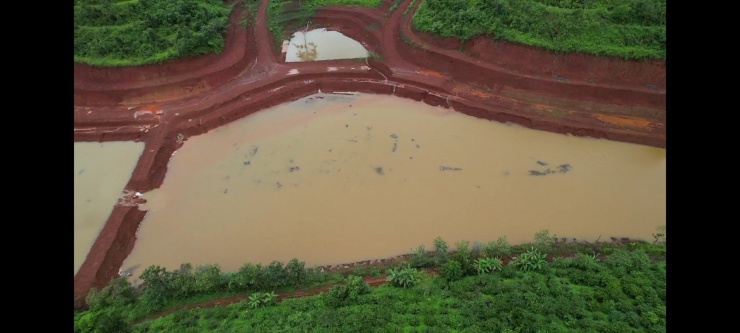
163,105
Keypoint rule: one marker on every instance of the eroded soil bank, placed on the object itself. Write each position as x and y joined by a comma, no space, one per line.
162,105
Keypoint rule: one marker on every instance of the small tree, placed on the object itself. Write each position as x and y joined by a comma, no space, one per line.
421,258
118,292
440,251
157,289
208,278
296,271
464,256
347,293
543,241
500,247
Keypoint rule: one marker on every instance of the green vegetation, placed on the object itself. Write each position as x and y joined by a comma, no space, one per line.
624,291
252,6
393,7
631,29
405,277
259,299
136,32
346,293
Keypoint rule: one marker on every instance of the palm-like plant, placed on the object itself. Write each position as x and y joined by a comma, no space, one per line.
255,300
404,277
530,260
488,265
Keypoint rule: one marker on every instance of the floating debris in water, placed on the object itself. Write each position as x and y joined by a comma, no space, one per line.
563,168
541,163
417,146
443,168
541,173
254,150
379,170
81,171
395,146
394,136
295,168
226,191
247,163
279,185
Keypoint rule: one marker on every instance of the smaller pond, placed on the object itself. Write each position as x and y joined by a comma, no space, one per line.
321,44
101,173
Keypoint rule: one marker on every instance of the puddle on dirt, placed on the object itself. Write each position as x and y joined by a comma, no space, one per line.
321,44
332,179
101,173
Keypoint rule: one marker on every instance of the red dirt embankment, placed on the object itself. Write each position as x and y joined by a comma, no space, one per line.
163,105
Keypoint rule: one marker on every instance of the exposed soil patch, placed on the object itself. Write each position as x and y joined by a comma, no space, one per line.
163,105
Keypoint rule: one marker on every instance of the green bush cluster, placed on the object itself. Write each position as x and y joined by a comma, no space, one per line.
348,292
632,29
118,33
624,290
530,301
161,286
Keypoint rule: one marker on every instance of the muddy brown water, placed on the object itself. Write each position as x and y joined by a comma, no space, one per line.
101,173
322,44
332,179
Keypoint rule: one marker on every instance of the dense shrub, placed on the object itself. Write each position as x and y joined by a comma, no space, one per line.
118,292
441,254
346,293
500,247
452,271
421,258
113,33
631,29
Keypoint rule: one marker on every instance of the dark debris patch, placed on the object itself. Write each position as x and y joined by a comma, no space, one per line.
563,168
540,173
379,170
